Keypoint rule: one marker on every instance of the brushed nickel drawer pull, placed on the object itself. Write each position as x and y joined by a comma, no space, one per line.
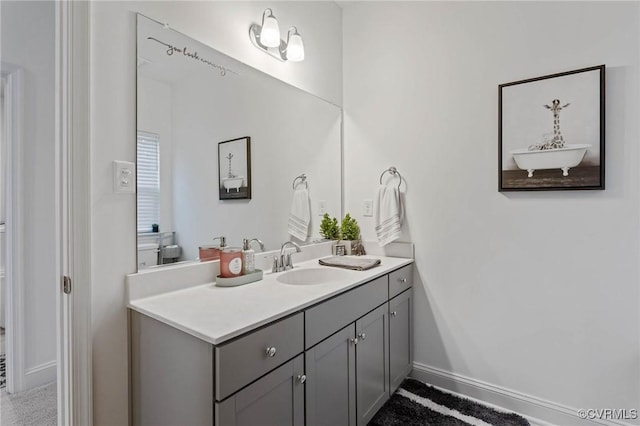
402,280
301,378
271,351
394,313
354,341
362,336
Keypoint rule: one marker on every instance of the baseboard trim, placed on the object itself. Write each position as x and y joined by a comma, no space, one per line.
40,375
538,411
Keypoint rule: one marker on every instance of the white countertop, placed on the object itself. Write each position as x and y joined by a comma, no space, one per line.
217,314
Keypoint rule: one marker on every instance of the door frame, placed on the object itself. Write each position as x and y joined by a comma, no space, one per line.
13,116
73,212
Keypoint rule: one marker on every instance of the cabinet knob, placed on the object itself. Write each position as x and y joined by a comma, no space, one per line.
362,336
271,351
394,313
301,378
402,280
354,341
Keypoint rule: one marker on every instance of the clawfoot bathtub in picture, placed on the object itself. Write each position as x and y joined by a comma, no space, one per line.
233,183
558,158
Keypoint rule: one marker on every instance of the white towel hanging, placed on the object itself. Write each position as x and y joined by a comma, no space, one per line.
300,215
388,214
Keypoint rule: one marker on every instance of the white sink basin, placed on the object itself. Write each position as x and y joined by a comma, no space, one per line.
312,276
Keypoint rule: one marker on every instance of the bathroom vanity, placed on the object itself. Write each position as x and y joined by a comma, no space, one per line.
268,353
314,345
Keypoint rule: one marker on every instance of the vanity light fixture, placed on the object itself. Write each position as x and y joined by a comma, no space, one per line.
270,31
266,37
295,47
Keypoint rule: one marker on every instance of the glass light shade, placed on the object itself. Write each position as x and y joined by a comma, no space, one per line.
295,48
270,34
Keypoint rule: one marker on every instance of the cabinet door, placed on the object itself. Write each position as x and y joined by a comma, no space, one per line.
276,399
372,363
331,380
400,338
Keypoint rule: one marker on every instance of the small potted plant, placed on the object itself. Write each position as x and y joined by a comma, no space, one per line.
330,230
350,232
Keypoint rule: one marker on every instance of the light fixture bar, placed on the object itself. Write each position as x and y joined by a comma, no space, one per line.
266,37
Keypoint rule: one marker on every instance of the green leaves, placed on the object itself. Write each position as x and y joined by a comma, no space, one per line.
329,228
350,229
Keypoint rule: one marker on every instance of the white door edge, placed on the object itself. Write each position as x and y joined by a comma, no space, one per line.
14,104
74,214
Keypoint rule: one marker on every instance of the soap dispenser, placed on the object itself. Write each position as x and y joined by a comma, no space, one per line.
211,252
249,255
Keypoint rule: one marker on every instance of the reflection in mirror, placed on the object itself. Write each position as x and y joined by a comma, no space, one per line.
190,98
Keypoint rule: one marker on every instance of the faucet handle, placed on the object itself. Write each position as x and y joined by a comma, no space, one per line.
275,267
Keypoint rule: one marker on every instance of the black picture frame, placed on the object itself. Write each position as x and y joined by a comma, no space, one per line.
234,169
534,151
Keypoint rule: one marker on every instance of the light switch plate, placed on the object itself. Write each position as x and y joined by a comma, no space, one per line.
322,207
124,177
367,208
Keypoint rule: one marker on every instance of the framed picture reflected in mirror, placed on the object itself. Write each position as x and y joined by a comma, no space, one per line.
234,169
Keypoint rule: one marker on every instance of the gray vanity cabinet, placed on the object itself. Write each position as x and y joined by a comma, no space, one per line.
276,399
333,363
171,375
331,380
348,372
372,368
400,342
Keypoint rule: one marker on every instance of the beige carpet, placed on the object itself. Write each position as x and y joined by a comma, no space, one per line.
35,407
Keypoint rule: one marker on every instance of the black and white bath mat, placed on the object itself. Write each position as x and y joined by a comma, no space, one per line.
418,404
3,369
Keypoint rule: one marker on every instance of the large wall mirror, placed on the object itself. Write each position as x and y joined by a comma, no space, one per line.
190,98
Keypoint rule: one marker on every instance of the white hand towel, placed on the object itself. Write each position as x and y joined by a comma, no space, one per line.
300,215
388,214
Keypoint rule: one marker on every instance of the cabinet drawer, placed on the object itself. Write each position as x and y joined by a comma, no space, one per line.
326,318
400,280
240,362
276,399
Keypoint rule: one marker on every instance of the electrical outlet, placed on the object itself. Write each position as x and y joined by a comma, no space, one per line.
367,208
322,207
124,177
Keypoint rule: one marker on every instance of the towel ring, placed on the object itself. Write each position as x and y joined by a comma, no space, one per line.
392,171
303,179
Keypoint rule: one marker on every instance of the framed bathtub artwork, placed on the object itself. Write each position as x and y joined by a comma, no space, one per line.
234,169
551,132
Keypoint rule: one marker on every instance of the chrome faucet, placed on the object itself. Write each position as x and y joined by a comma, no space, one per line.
284,262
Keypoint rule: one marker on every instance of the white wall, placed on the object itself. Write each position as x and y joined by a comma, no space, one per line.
28,42
534,292
224,26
